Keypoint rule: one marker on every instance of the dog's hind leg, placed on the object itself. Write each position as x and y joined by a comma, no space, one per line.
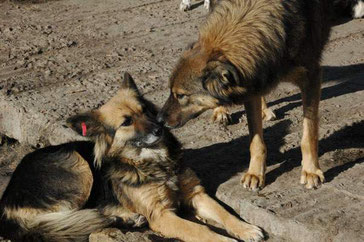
207,208
254,178
311,174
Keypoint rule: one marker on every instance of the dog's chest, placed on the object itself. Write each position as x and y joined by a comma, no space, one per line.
148,166
159,167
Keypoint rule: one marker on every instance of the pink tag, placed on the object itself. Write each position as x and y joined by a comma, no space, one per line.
84,129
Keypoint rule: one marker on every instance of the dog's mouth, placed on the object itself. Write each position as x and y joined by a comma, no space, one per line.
148,141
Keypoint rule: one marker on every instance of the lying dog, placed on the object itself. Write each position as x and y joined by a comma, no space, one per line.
64,193
245,48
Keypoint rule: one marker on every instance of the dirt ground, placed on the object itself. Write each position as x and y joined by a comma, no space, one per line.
62,57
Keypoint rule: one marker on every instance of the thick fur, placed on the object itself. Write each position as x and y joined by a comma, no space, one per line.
47,189
245,48
136,174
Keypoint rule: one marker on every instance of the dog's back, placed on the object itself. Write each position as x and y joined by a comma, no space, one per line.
263,36
46,189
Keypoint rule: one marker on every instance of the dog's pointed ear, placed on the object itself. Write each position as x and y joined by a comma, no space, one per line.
86,124
128,82
219,79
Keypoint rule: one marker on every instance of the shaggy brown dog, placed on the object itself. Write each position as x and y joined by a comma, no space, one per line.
245,48
63,193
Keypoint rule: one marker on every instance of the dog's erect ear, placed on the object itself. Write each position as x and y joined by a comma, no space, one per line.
128,82
219,79
86,124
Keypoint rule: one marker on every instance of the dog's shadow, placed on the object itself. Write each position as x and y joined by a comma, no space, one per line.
215,164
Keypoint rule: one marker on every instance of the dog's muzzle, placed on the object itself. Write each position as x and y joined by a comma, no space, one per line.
150,139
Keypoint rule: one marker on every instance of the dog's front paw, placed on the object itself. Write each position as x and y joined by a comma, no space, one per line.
312,179
268,114
184,6
247,232
221,115
253,181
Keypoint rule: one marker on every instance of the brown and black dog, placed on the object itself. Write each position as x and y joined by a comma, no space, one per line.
245,48
136,174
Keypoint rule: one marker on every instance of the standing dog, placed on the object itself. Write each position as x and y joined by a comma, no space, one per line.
64,193
245,48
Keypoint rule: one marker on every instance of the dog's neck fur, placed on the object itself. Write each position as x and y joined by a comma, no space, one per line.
137,166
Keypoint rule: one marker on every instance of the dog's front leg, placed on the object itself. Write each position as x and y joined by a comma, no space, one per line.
221,115
254,178
311,174
206,208
170,225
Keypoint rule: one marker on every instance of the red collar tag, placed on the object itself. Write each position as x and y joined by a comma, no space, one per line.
84,129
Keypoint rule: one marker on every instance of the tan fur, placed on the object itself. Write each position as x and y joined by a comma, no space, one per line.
102,146
21,215
25,215
157,201
255,177
221,115
121,105
68,225
82,169
311,174
238,29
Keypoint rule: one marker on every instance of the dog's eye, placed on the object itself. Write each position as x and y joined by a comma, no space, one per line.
127,122
180,96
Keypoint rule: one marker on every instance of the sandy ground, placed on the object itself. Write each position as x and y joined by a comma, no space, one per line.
62,57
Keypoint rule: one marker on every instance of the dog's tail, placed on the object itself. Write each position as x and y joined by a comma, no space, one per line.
74,225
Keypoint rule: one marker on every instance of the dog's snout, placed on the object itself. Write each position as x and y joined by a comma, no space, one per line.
160,118
157,131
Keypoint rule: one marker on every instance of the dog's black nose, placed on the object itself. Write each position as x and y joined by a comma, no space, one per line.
160,118
157,131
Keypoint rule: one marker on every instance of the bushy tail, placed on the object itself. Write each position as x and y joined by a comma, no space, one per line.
67,225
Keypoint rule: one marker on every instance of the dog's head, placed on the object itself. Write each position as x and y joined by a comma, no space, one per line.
126,120
200,81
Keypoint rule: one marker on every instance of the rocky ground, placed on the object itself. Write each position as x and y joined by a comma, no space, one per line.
62,57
